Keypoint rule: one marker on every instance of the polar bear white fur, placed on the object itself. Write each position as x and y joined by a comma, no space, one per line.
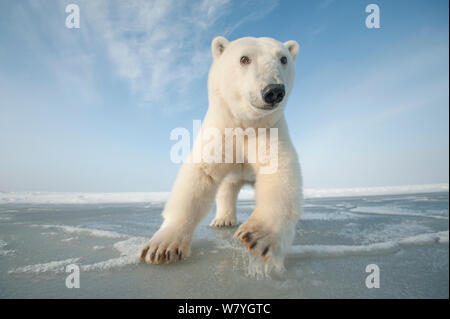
241,71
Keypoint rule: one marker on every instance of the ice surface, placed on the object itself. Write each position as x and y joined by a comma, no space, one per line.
81,198
88,231
53,266
245,194
371,191
370,249
128,249
393,212
3,251
407,235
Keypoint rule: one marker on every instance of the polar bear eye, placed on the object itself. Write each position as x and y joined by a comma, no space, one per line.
245,60
283,60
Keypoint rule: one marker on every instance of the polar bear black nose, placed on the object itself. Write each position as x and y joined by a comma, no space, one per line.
273,93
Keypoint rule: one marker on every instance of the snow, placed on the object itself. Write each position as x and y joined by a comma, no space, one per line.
81,198
392,212
370,249
5,252
82,230
52,266
158,197
371,191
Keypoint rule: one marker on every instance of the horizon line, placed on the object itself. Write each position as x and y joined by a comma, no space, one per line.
38,197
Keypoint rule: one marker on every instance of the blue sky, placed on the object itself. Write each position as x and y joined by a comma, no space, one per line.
91,109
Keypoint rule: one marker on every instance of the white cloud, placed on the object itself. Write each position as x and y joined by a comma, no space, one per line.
158,47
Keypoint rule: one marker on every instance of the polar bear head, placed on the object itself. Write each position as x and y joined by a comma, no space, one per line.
252,76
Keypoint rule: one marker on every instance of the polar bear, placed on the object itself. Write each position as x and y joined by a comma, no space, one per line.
248,87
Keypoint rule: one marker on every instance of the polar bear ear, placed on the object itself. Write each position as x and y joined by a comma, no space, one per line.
218,45
292,47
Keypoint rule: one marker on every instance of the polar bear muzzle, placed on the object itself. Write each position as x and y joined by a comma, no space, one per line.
273,94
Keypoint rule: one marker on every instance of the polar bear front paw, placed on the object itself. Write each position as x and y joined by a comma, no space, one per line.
223,221
258,238
167,245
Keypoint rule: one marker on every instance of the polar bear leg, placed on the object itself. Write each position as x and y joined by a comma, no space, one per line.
191,198
269,231
226,203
